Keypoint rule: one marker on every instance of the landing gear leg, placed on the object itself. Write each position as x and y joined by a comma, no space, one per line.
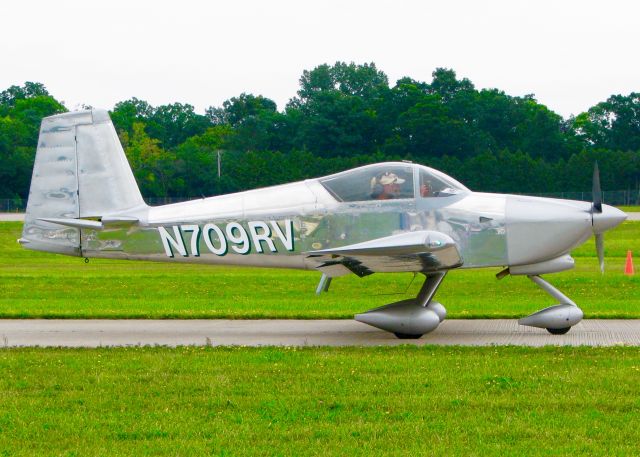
323,285
429,288
412,318
557,319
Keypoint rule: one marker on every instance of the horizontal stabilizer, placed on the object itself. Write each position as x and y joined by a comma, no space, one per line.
75,223
90,223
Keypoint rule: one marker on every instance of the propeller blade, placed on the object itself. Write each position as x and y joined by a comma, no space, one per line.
600,250
596,190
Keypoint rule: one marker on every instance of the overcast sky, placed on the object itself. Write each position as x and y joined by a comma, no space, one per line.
571,54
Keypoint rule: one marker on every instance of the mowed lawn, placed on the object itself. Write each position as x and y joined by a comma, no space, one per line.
318,401
36,284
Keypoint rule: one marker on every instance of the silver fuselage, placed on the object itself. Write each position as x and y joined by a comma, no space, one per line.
275,227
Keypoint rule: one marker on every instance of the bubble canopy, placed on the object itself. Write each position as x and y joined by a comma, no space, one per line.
391,181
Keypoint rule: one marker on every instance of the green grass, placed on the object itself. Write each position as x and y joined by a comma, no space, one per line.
310,401
45,285
630,209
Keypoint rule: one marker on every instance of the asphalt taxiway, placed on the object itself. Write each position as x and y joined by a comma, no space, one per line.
11,217
476,332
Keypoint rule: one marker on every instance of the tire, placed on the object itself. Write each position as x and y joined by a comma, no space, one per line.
407,336
558,331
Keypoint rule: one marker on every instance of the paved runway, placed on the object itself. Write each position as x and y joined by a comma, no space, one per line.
4,217
480,332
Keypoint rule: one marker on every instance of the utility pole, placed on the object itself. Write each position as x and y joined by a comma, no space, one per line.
219,152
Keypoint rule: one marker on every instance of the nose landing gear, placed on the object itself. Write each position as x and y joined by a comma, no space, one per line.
557,319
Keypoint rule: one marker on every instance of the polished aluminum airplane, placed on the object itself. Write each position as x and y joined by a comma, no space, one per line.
387,217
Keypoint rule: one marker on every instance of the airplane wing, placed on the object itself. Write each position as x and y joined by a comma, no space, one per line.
420,251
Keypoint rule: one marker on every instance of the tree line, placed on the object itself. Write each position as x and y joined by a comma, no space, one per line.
345,115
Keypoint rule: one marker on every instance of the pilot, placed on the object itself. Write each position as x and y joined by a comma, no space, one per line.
386,186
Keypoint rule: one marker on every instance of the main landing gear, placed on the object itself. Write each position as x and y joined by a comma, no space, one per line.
412,318
557,319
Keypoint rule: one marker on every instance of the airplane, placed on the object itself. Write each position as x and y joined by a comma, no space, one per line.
380,218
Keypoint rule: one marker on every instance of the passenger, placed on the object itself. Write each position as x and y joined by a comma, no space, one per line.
425,189
386,186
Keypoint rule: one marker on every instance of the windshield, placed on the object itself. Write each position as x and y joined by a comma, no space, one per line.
435,184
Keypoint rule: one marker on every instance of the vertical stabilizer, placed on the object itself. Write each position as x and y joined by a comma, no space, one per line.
107,185
80,171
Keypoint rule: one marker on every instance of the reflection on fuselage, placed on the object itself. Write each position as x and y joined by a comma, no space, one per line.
264,241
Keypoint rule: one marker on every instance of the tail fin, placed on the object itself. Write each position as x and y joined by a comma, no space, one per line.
80,171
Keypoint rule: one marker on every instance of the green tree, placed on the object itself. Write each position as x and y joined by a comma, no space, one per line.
256,122
173,124
21,111
196,164
128,112
446,84
10,96
235,110
337,108
612,124
153,167
427,129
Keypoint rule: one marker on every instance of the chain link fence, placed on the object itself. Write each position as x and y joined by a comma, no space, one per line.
18,205
610,197
12,205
